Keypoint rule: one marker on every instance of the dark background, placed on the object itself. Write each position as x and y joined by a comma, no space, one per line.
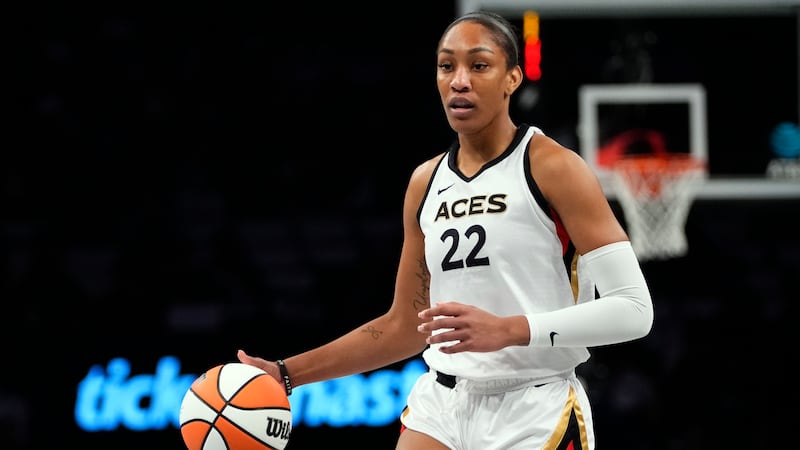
191,180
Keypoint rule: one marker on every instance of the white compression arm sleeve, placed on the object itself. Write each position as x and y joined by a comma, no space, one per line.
623,311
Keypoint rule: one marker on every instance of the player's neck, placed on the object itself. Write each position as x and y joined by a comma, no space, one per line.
485,145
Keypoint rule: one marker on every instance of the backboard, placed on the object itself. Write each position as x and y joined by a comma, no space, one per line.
677,68
684,116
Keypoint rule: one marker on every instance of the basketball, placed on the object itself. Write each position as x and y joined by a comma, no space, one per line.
235,406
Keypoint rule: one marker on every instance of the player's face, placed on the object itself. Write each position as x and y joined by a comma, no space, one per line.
472,77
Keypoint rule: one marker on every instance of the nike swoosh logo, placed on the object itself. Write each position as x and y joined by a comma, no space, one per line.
444,189
552,335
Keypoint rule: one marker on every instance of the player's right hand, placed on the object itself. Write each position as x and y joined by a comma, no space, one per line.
267,366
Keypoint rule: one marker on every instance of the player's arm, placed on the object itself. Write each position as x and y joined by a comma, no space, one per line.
624,309
388,338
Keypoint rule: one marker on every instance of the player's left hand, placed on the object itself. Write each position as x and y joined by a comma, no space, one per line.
471,329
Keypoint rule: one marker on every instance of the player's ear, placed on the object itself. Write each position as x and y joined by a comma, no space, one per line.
513,80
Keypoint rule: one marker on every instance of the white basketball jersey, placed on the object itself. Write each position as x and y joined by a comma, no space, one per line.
491,240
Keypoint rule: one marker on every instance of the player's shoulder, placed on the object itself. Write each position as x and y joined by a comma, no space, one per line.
423,172
418,185
547,153
420,179
557,168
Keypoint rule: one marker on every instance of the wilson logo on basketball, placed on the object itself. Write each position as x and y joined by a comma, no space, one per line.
278,428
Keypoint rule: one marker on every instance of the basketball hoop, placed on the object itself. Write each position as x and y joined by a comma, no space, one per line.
655,192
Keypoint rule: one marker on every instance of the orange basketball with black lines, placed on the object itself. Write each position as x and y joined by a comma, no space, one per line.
235,406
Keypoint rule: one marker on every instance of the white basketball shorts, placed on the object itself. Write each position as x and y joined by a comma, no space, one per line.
501,414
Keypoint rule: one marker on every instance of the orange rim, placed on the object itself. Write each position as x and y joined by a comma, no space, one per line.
649,172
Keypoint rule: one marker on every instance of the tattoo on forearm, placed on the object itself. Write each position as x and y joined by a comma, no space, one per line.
422,299
376,333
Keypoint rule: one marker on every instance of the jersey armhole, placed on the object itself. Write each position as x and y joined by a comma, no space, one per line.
442,157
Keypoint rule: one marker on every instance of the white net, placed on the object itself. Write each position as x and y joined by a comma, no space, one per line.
656,194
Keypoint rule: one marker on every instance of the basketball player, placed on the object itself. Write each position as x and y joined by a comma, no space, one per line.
512,266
